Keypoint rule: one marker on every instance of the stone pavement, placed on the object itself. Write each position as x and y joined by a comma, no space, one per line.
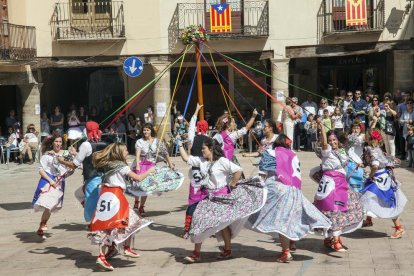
67,251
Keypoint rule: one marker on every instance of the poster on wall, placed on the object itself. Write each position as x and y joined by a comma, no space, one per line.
161,109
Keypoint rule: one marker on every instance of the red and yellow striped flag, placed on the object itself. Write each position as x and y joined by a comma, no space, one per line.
220,18
356,12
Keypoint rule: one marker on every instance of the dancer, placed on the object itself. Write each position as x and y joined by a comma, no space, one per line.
48,196
196,193
88,194
227,137
146,157
333,197
223,212
382,196
112,229
355,165
269,132
286,211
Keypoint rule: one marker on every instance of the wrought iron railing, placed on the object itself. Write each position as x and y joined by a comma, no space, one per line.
88,20
18,42
251,19
332,17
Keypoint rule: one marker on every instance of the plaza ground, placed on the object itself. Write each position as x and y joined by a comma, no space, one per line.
67,251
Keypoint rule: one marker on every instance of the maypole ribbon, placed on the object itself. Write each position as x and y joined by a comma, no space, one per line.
169,106
267,75
192,83
149,83
221,86
228,95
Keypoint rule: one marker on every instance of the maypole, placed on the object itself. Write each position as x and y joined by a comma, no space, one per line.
196,35
199,83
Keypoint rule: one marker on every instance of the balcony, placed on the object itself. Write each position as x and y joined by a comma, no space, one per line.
332,18
250,19
17,42
84,21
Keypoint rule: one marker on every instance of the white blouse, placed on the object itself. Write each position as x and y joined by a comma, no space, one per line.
234,135
332,160
50,164
118,179
220,173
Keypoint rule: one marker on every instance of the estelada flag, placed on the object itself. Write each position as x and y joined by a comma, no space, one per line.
112,210
220,18
356,12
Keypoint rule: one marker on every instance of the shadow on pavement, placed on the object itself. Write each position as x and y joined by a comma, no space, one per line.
16,206
30,237
173,230
156,213
365,233
75,227
82,259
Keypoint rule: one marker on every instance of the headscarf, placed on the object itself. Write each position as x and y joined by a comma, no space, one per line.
202,126
93,132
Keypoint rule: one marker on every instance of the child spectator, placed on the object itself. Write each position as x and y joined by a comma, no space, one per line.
337,120
410,146
326,120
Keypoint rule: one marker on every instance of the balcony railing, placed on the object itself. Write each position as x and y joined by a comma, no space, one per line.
17,42
250,19
332,17
92,20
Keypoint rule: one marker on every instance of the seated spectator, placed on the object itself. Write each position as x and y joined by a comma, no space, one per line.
11,120
29,143
44,125
12,142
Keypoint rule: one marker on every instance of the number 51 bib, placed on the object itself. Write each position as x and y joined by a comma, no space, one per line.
112,210
332,193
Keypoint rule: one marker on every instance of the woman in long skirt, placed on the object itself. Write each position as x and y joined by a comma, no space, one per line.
334,198
229,203
48,196
382,196
114,222
286,212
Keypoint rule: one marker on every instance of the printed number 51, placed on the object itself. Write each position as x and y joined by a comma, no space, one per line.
105,206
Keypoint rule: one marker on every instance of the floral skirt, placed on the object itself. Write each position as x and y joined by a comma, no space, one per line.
287,212
215,213
348,221
119,235
163,180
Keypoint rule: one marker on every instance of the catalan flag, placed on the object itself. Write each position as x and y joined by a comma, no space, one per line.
220,18
356,12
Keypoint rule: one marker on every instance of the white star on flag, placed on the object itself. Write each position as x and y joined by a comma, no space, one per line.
220,8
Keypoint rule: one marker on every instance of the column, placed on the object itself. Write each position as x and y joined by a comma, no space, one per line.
162,96
403,70
280,79
231,86
30,95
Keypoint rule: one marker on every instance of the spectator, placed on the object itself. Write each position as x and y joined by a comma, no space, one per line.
11,120
12,142
324,105
93,114
410,146
118,126
56,120
288,120
388,130
360,106
374,106
132,128
347,101
74,131
406,119
44,125
326,120
210,120
311,133
399,138
309,106
149,116
298,126
348,118
83,117
337,121
29,143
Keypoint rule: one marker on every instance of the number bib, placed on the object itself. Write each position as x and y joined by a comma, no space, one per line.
112,210
383,186
332,193
196,193
383,181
